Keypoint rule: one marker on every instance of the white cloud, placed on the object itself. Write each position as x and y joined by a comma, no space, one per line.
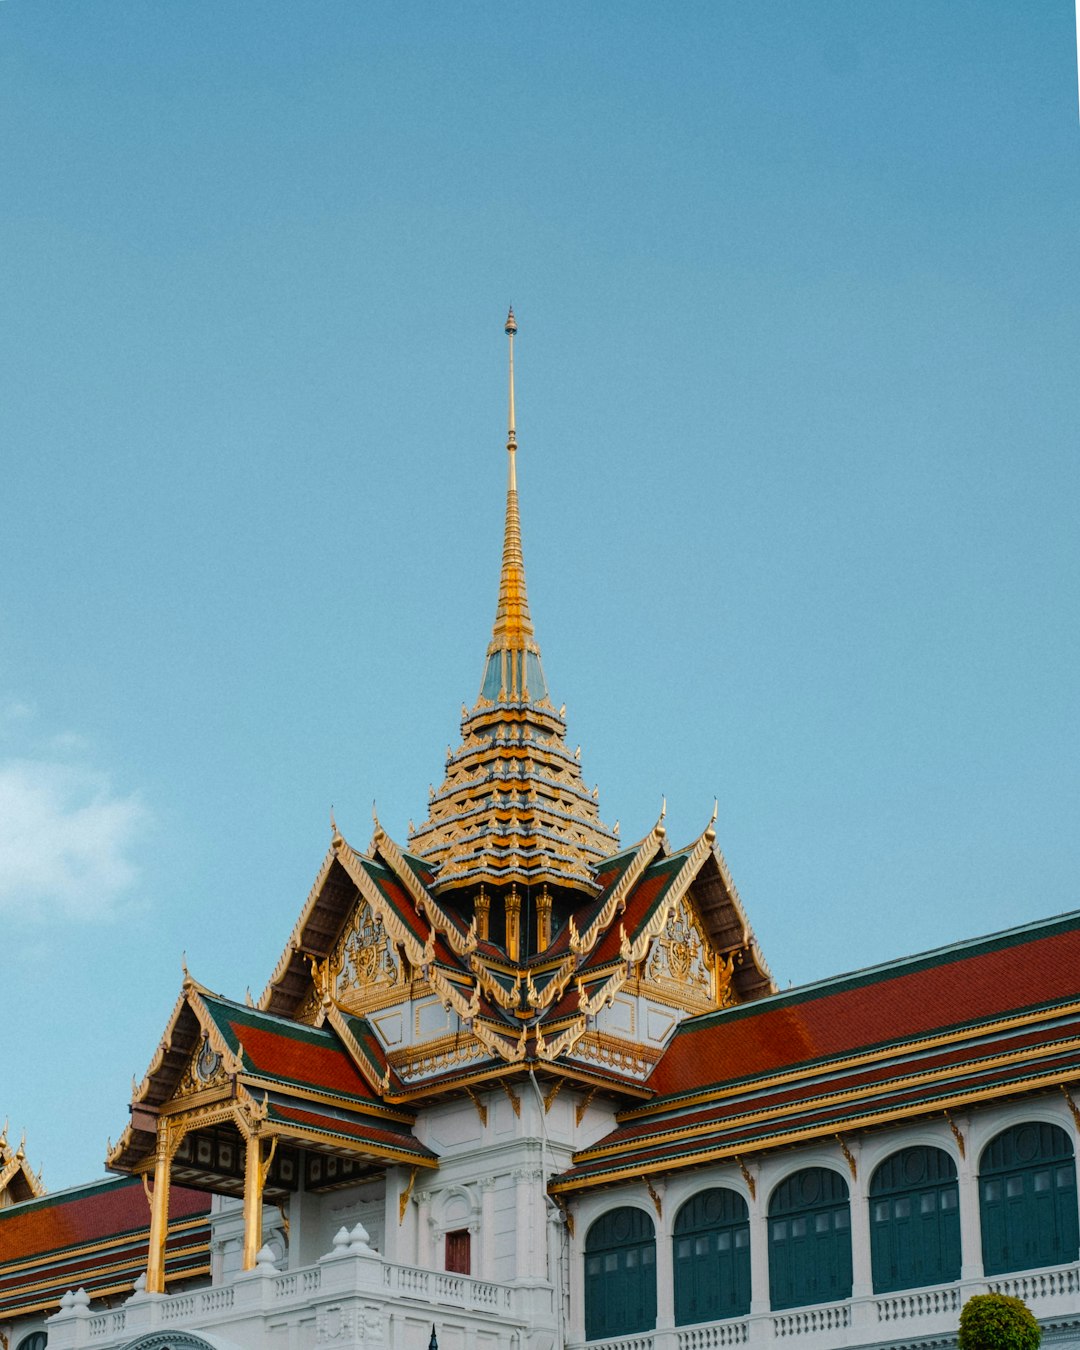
67,841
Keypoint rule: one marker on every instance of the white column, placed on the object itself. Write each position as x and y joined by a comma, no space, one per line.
423,1229
862,1275
487,1228
759,1248
967,1181
523,1226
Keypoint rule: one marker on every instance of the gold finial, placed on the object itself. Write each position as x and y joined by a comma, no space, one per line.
511,435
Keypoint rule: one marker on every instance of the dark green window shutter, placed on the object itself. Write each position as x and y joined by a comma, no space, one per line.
711,1257
809,1239
914,1220
1027,1199
620,1274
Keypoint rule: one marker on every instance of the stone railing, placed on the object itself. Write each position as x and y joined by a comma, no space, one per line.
916,1303
455,1291
809,1321
734,1332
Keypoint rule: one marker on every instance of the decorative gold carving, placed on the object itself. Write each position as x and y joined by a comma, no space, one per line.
751,1184
616,901
481,1109
566,1040
423,1060
515,1100
605,994
543,919
848,1155
960,1138
654,1198
583,1106
564,1210
622,1056
638,949
403,1198
512,906
482,912
365,961
552,1093
1073,1109
204,1070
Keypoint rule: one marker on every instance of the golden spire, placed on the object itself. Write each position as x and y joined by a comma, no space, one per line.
510,674
513,809
513,626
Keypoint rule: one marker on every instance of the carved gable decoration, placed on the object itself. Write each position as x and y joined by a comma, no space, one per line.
204,1070
365,966
681,967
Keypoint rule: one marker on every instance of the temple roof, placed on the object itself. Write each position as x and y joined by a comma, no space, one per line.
929,1034
18,1180
94,1237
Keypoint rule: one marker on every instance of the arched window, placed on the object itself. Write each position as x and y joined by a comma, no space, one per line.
37,1340
1027,1189
711,1250
809,1239
914,1220
620,1274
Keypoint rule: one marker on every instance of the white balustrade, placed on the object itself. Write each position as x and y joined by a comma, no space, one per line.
734,1332
809,1321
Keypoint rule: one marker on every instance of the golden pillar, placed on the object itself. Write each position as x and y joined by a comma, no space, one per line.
543,920
254,1176
512,903
159,1213
482,910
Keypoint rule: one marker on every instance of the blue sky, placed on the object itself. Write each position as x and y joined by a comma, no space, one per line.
799,300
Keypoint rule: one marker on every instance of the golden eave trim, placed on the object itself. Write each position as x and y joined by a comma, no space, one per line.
294,944
108,1291
299,1095
397,930
826,1130
832,1067
582,944
460,944
828,1099
575,1072
291,1131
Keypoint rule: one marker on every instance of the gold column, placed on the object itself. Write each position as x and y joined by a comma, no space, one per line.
253,1201
482,909
543,920
159,1214
512,903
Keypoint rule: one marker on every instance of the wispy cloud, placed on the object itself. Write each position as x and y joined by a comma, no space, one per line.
67,837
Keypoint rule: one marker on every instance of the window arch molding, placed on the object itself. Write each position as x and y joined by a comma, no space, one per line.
680,1189
985,1126
914,1199
711,1256
620,1272
1028,1197
875,1151
809,1223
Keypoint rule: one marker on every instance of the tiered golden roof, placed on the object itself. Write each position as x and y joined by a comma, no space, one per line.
513,808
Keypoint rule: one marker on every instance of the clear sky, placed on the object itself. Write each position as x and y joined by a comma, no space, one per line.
798,403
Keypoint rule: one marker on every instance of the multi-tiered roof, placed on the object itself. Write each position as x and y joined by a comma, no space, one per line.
513,809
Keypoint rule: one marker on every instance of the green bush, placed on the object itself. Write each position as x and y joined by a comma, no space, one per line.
997,1322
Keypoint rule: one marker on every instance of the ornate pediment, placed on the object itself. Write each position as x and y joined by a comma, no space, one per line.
204,1070
365,966
682,968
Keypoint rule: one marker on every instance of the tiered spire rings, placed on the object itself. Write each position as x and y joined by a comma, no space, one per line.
513,808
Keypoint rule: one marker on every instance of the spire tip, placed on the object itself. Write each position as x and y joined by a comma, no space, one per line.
511,323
